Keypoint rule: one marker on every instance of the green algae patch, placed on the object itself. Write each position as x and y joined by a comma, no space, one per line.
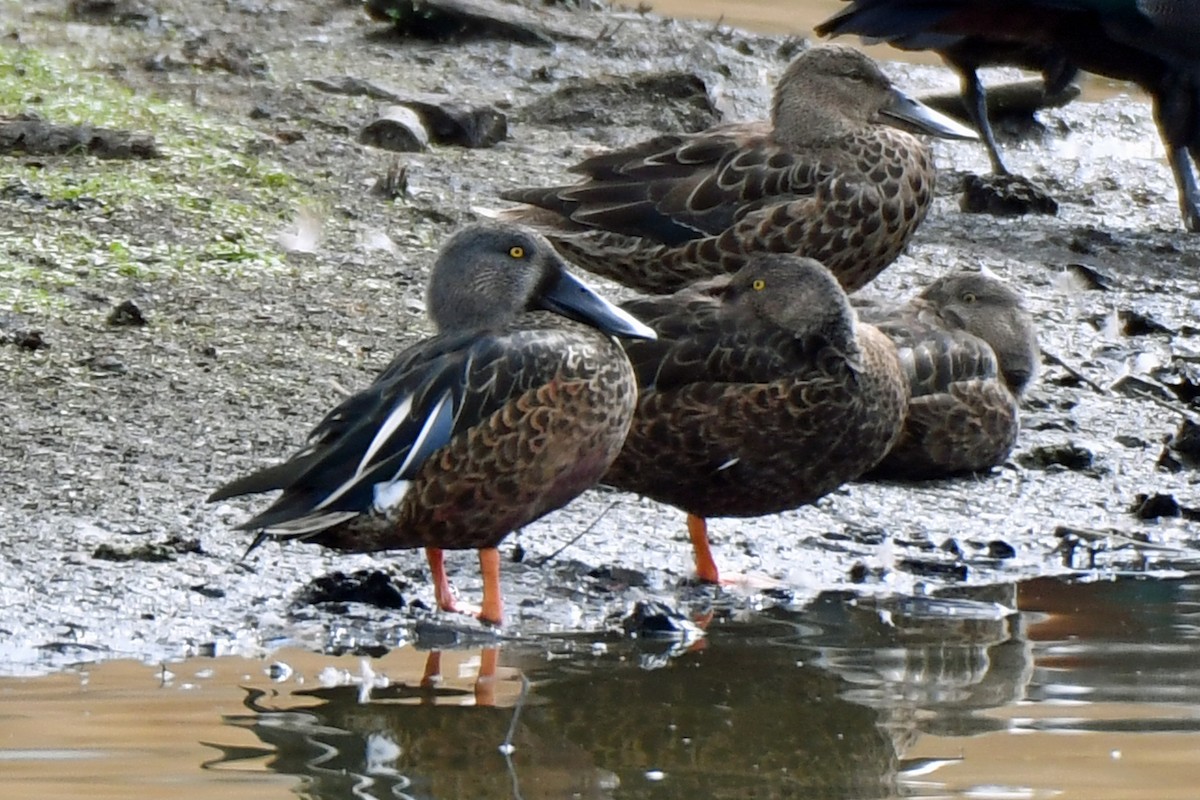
212,204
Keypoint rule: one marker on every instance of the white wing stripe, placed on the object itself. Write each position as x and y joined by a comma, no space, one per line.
394,420
419,443
389,426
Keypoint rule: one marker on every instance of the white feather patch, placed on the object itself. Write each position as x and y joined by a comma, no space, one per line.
390,495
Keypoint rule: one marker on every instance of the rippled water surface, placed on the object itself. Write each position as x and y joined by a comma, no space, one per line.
1043,689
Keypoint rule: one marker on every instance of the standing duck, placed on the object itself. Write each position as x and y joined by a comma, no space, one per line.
1155,43
519,403
969,351
761,393
834,175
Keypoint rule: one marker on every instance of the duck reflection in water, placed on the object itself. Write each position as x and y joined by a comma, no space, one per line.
737,718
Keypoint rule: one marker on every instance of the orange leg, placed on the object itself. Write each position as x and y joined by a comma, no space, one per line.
706,567
433,669
442,593
493,606
485,684
490,565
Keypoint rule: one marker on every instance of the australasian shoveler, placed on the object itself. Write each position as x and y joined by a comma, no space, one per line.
834,175
969,350
761,393
518,404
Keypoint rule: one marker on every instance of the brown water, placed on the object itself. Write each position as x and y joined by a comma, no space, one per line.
1042,689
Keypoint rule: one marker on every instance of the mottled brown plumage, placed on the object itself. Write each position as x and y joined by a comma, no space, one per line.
831,176
969,350
518,404
761,393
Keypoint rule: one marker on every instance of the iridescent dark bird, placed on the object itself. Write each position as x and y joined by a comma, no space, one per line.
1155,43
518,404
966,54
834,175
761,393
969,350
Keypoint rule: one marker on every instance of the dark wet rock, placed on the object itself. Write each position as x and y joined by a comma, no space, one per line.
440,20
1182,378
397,128
211,592
1132,323
651,619
126,13
952,547
1157,506
1132,442
1090,278
610,577
668,101
1138,386
1000,549
1064,456
126,314
20,193
1005,196
447,121
29,134
30,340
933,568
1090,241
1182,450
1008,104
370,586
149,551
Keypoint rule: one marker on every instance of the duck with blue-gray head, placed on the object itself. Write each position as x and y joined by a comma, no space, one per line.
518,404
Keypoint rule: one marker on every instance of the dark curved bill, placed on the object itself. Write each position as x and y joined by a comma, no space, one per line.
916,114
576,300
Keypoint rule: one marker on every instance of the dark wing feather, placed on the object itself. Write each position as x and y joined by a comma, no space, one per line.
886,20
382,435
677,188
934,359
338,421
699,342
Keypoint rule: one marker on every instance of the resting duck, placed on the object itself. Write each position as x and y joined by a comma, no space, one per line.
834,175
761,393
518,404
969,351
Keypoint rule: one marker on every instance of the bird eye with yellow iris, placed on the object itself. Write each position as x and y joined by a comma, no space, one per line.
759,285
516,251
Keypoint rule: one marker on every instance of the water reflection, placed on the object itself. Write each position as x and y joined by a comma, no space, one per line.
737,717
966,694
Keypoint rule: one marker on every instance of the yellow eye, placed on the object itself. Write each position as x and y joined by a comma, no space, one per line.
968,297
759,285
516,251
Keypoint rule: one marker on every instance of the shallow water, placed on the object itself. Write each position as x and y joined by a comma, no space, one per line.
1044,688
